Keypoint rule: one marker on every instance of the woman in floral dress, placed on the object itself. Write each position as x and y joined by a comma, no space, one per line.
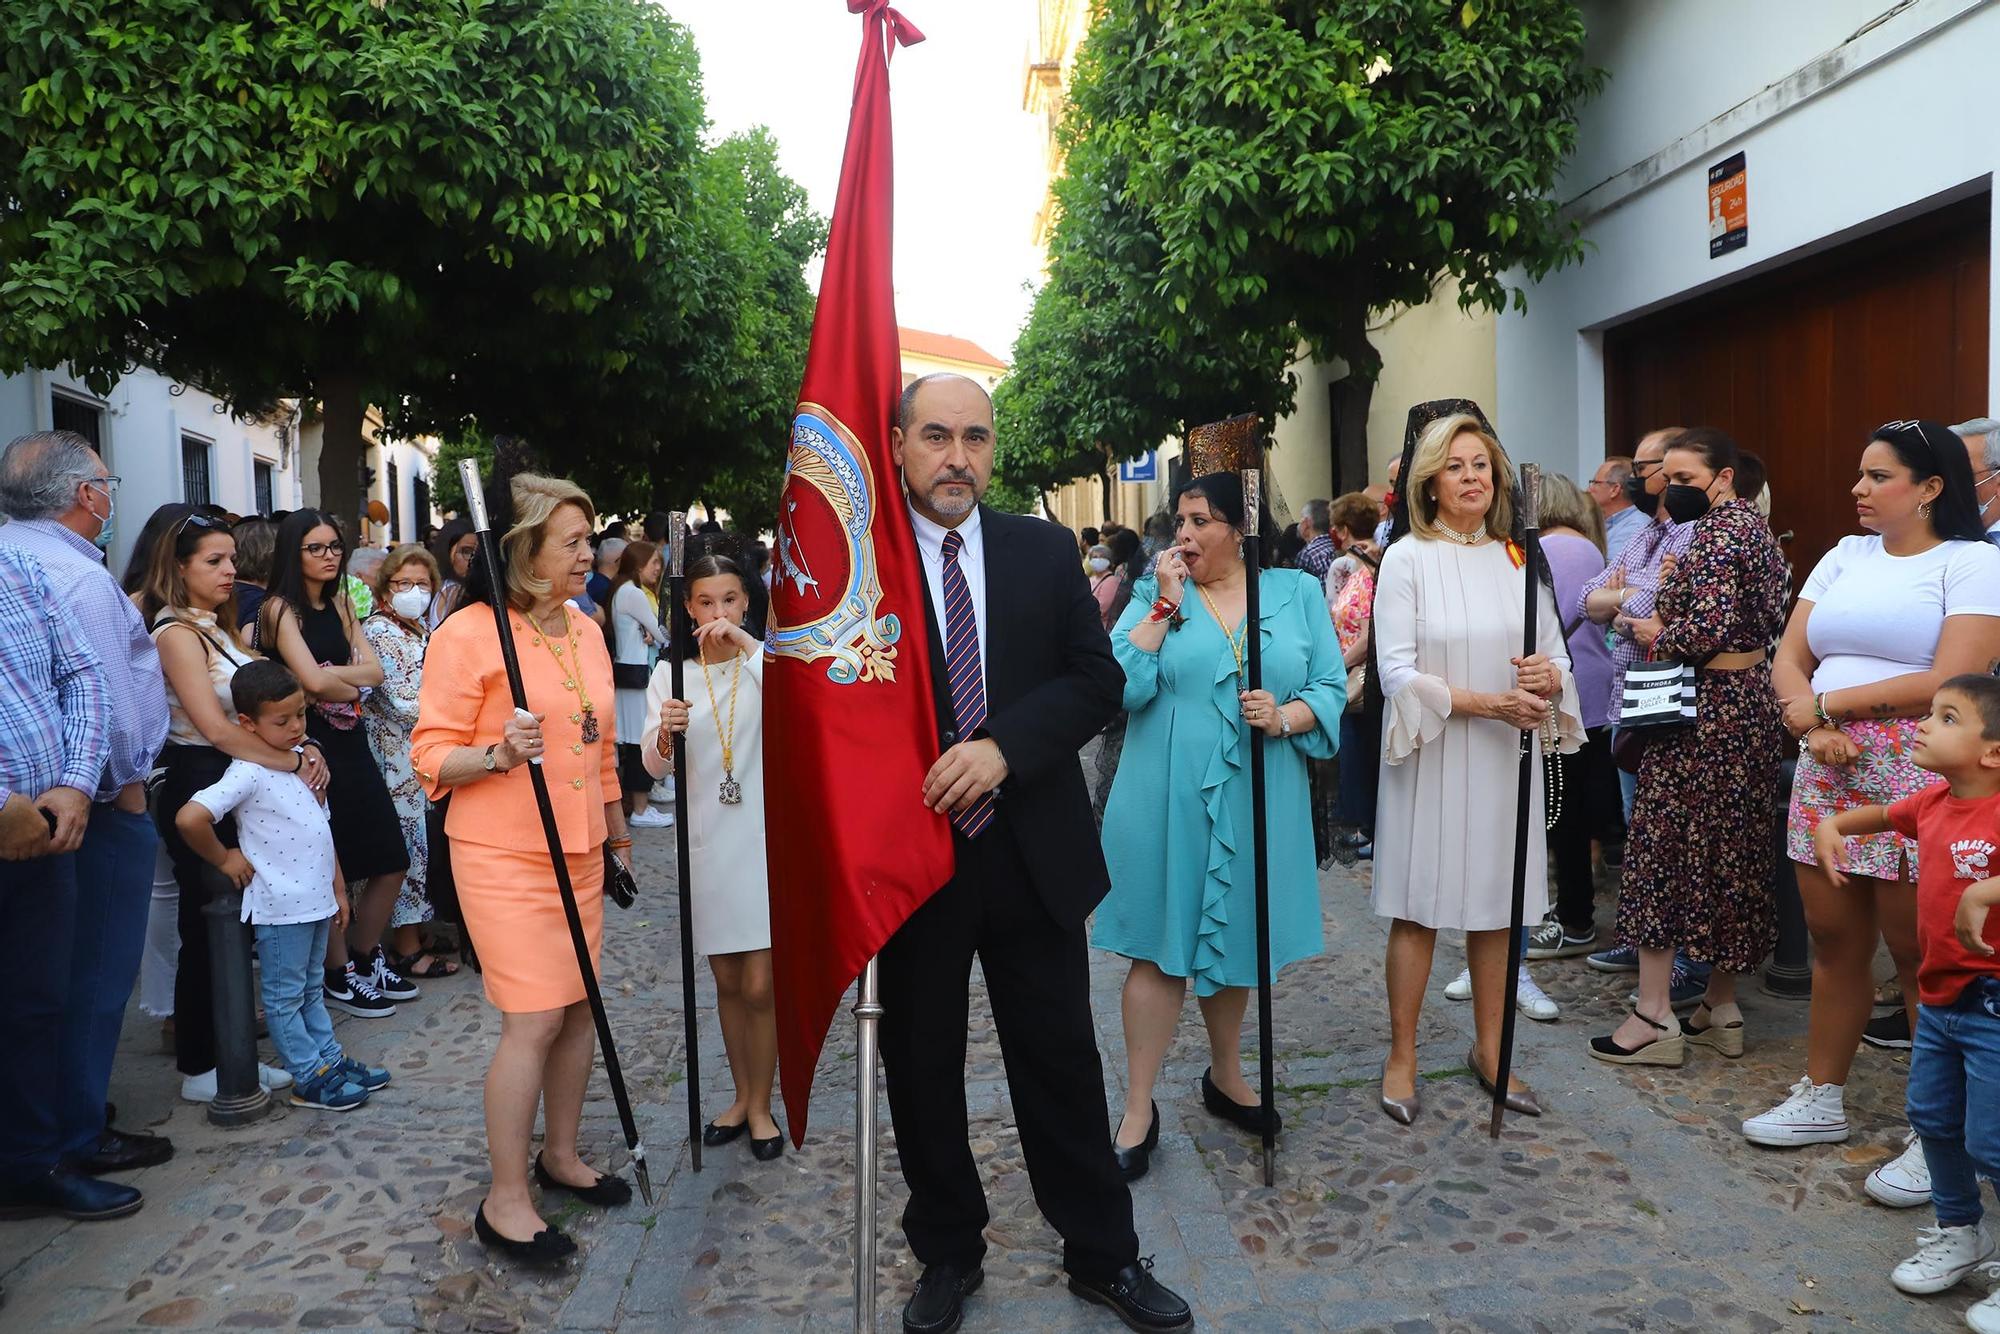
406,586
1699,856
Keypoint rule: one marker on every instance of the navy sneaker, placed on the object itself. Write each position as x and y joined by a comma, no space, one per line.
1624,959
329,1090
369,1077
1687,985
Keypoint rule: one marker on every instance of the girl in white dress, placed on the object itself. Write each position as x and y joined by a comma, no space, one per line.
722,725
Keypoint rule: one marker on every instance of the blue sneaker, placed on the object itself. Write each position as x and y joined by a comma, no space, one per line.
1687,984
1624,959
329,1090
369,1077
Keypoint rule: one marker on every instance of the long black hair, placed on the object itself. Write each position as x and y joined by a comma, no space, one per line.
140,563
287,588
1930,449
1224,493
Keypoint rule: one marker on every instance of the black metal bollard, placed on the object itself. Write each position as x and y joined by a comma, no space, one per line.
239,1097
1789,974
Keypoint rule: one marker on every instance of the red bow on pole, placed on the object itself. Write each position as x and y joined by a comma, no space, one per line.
905,32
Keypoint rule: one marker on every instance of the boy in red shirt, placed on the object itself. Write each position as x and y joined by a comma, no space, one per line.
1954,1089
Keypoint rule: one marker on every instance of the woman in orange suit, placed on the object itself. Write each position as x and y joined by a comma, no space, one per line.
468,742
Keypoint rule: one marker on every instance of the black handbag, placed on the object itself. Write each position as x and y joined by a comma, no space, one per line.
631,675
618,881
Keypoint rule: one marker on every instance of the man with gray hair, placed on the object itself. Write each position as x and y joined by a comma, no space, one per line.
1982,448
59,501
1316,527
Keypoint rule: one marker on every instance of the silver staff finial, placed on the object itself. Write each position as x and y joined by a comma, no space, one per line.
475,499
1531,495
677,541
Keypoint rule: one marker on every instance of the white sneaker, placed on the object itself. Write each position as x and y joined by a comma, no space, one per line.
1814,1114
1984,1315
663,792
651,818
1944,1256
1904,1183
1530,999
201,1088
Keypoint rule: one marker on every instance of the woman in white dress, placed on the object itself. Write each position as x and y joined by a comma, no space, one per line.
722,725
635,635
1457,696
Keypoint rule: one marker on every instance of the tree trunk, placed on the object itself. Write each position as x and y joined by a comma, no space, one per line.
1104,485
1352,395
512,455
341,452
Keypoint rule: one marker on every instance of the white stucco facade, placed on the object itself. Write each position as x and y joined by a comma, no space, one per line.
1853,115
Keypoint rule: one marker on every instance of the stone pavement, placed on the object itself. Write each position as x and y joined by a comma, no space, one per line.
1632,1205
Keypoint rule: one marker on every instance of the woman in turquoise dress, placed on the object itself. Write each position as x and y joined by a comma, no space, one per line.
1177,828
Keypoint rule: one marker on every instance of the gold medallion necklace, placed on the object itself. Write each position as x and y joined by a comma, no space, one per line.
572,672
1236,645
732,791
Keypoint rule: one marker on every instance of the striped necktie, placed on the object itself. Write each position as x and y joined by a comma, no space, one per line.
965,673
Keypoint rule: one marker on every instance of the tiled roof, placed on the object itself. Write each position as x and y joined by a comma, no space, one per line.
944,346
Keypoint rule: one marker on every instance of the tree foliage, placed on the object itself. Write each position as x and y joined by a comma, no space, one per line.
455,209
1287,168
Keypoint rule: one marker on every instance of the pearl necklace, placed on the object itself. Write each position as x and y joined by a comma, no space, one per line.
1472,539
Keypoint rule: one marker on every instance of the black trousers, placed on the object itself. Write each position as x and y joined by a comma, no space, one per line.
187,770
1038,980
1590,807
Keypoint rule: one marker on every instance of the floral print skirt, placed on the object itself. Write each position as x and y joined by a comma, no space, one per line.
1700,853
1885,773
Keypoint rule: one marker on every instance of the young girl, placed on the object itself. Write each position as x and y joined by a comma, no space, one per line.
307,623
723,726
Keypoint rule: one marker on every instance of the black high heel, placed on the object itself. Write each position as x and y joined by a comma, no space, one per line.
607,1192
1134,1162
546,1247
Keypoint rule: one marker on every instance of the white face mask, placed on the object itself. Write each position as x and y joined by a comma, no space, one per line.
411,603
1098,565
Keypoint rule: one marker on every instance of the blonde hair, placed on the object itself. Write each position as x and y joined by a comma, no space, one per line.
408,553
1432,452
1564,506
536,500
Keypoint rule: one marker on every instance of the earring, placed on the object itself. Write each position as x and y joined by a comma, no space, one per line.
1924,509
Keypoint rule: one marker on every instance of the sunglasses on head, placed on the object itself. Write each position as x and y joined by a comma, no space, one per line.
200,520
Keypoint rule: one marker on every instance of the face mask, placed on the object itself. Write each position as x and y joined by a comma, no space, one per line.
1098,565
110,528
1642,500
411,603
1685,504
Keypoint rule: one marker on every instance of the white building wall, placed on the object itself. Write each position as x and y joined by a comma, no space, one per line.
143,420
1877,124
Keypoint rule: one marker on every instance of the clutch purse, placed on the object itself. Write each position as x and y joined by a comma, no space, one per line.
618,881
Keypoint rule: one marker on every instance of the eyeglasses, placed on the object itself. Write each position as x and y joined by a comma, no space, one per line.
409,585
1602,481
1647,468
323,548
109,482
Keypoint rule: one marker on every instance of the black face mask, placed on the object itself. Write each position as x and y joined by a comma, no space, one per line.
1642,500
1685,504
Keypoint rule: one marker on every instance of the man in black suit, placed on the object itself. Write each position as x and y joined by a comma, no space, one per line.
1024,677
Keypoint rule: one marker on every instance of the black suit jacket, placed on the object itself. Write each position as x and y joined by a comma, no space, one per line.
1051,685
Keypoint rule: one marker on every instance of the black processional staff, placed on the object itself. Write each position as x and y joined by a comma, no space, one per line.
1253,486
1526,840
679,641
489,552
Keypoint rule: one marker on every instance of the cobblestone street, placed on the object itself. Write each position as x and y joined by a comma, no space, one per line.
1633,1204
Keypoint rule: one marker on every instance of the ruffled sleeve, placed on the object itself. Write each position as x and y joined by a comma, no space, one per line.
1325,690
1415,704
1142,669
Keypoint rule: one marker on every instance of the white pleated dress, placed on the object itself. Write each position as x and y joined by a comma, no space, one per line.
1450,615
729,887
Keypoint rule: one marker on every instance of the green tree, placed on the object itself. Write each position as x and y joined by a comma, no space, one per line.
451,208
1306,163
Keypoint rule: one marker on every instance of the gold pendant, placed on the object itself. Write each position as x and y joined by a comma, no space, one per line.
732,791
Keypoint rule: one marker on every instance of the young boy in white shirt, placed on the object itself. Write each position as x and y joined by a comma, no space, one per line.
292,888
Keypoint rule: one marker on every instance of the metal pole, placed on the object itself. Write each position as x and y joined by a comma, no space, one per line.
1253,488
489,551
679,635
1524,838
867,1013
240,1097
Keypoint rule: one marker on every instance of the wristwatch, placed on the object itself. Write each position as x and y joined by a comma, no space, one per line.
492,765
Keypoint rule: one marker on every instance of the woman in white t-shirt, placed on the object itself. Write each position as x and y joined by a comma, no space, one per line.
1885,617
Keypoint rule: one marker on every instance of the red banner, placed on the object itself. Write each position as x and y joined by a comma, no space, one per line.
850,727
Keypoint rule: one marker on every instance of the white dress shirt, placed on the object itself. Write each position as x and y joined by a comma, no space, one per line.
971,563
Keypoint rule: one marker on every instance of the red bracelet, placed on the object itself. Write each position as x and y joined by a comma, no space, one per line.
1163,610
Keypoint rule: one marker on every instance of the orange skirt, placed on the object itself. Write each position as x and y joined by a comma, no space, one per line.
515,915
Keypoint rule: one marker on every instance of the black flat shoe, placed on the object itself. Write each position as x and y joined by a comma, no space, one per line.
1133,1162
714,1134
69,1194
1523,1101
939,1303
123,1151
1221,1104
1140,1300
546,1247
606,1192
767,1150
